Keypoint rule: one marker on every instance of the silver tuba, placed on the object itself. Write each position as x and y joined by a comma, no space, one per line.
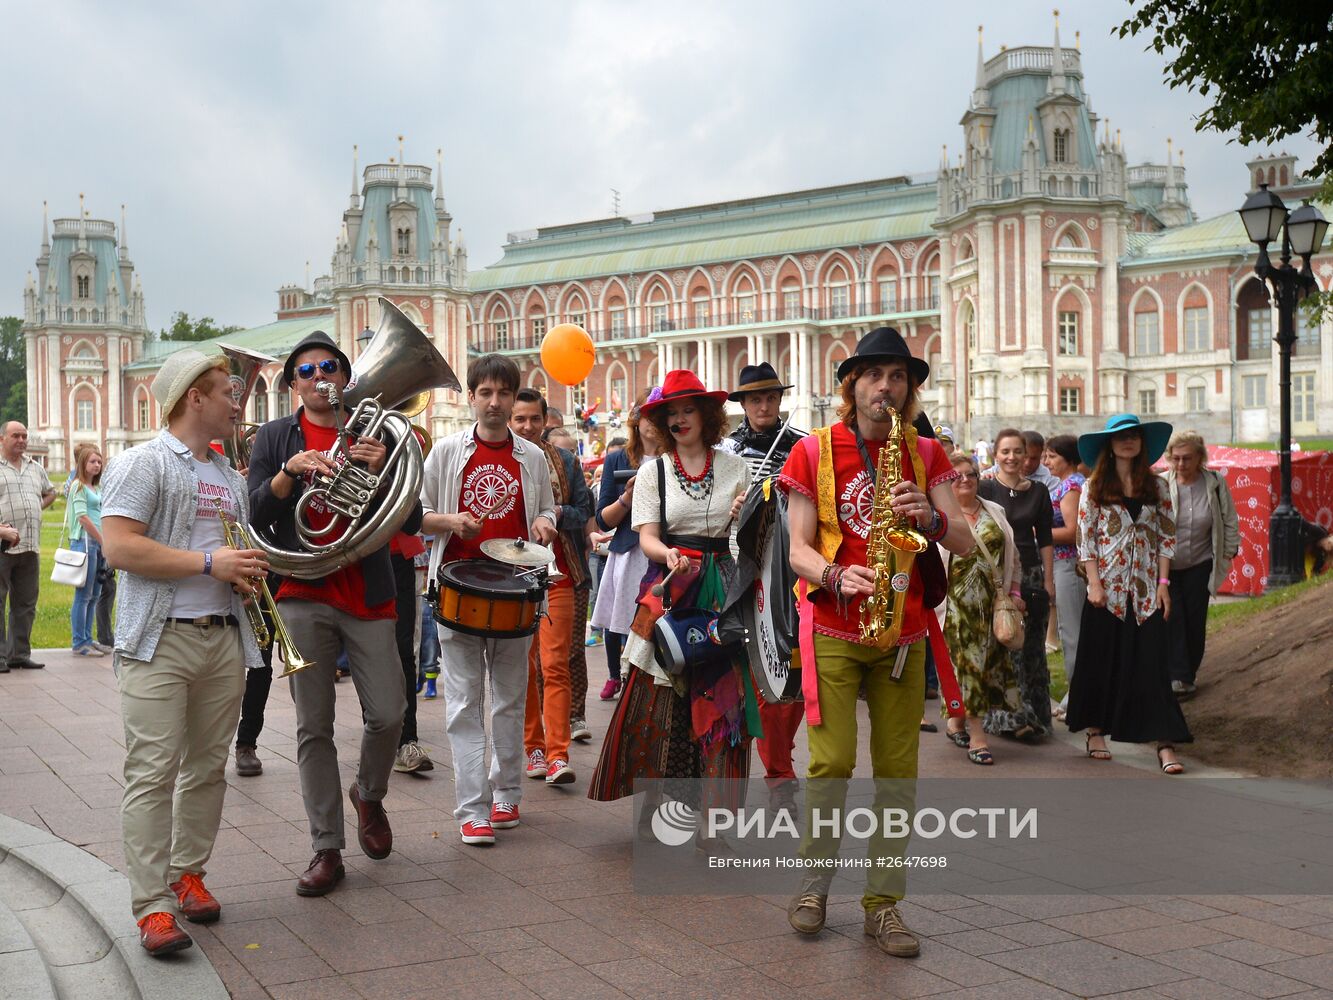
398,366
244,367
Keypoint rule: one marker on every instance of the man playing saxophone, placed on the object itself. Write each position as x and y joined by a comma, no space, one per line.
839,504
183,641
352,608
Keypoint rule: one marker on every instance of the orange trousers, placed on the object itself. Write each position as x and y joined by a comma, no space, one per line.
546,723
781,723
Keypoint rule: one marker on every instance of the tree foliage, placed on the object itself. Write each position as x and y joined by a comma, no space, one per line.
1268,68
204,328
13,370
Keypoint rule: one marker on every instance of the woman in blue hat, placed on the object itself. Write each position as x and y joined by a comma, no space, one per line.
1121,687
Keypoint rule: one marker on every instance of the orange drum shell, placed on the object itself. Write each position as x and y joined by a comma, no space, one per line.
498,614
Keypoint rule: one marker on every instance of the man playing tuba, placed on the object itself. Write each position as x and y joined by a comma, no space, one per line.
352,608
832,477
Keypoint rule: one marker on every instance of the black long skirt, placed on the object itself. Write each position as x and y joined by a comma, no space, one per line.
1122,680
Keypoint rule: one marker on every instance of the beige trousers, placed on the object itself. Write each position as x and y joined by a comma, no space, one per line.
180,710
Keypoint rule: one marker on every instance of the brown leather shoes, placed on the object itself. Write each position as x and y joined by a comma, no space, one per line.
326,870
161,935
372,826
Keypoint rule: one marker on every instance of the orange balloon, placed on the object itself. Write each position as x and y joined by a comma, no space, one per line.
567,354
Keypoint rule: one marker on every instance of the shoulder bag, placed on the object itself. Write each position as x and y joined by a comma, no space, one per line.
1006,619
69,567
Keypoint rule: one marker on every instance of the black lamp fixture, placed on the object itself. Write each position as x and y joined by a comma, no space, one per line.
363,338
1302,232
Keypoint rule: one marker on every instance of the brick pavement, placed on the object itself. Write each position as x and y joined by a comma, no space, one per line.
550,911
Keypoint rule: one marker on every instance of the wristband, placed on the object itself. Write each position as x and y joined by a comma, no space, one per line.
289,473
939,527
1016,593
1164,580
208,564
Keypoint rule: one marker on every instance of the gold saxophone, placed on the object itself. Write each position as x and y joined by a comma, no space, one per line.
236,537
891,548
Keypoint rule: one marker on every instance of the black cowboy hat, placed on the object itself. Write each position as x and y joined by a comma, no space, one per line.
318,339
757,378
884,343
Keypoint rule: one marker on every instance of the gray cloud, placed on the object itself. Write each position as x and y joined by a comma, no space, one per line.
228,129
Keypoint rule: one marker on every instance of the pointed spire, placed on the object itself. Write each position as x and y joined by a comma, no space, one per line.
1078,41
980,96
401,158
46,241
944,156
1057,82
124,240
306,287
1168,151
356,193
83,224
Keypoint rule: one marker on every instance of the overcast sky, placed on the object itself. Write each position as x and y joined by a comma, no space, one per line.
227,129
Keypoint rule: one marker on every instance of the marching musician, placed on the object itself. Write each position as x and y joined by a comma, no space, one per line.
183,641
547,727
478,484
350,609
765,445
831,476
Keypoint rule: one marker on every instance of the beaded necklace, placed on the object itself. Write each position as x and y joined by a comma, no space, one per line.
698,487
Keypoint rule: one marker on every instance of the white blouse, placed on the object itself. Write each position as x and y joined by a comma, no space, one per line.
686,515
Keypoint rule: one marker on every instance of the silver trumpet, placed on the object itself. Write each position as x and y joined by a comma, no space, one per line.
397,368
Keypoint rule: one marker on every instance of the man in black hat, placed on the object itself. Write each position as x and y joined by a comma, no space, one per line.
831,477
765,443
760,395
352,608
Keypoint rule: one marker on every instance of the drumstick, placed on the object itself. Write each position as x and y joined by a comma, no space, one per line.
658,589
493,507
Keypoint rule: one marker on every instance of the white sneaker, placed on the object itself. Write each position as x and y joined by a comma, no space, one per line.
578,730
536,764
410,758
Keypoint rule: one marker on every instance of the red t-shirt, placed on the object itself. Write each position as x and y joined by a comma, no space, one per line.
491,472
855,495
344,589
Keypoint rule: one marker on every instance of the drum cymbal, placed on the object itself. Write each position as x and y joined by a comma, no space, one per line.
517,551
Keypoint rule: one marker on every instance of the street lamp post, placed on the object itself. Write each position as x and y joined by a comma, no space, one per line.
363,338
1302,232
821,403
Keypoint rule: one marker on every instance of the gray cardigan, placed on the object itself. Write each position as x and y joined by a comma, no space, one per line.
1226,523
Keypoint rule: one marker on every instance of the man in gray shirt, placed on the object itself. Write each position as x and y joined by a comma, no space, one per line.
183,641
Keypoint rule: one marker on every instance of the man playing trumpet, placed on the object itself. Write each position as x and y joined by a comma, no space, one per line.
352,608
183,641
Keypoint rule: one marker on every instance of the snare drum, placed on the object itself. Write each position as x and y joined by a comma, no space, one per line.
486,598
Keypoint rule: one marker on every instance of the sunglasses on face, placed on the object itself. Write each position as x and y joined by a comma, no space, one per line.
307,371
969,475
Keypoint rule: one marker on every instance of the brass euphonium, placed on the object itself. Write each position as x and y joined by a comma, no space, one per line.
891,548
238,538
398,368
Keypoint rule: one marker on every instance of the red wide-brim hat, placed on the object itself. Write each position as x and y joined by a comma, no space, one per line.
682,383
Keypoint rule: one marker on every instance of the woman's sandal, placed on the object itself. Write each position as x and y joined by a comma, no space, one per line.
980,755
1169,766
1096,753
960,738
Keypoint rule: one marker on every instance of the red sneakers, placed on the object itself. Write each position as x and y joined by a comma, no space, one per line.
558,772
504,816
161,935
478,833
196,903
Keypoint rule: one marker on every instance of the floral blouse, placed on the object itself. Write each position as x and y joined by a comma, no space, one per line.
1074,482
1127,549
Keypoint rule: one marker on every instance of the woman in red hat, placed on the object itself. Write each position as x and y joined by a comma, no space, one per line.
693,724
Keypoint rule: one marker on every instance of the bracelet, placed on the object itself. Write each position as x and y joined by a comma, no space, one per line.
1164,580
824,577
289,473
939,527
208,564
1016,593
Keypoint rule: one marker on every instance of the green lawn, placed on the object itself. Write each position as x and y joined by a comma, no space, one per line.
51,629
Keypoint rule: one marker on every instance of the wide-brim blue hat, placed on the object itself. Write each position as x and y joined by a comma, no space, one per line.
1156,433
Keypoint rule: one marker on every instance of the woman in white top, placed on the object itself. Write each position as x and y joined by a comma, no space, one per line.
84,522
691,724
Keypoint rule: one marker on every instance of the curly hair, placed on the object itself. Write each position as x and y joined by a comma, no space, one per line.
846,411
714,422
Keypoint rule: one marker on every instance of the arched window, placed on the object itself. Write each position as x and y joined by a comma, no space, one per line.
1060,152
1147,328
968,318
259,395
83,285
699,310
839,292
791,299
745,301
404,241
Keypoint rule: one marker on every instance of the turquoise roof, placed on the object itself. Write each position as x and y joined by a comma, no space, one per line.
1221,236
107,271
1015,99
849,215
378,198
274,339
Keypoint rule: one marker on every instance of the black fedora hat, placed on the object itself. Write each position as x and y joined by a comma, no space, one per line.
320,339
884,343
757,378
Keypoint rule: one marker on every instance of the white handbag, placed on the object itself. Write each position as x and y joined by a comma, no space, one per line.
69,567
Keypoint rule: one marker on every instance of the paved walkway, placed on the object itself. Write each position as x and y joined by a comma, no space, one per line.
550,911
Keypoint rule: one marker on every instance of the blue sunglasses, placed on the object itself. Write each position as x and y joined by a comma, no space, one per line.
307,371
